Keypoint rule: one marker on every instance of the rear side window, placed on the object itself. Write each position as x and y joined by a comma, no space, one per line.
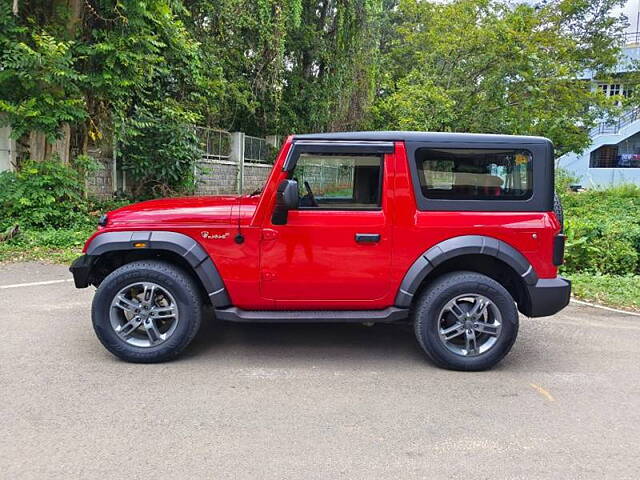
475,174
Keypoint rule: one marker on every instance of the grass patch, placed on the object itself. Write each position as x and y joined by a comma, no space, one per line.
611,290
49,246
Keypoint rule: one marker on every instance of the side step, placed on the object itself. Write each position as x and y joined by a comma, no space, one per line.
390,314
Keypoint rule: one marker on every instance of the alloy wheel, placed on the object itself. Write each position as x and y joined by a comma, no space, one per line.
144,314
469,325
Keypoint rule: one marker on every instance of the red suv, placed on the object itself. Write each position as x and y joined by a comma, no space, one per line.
452,232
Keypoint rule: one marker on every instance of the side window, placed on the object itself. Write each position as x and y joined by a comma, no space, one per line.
474,174
339,181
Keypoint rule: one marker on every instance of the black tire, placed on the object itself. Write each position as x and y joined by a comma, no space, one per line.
175,281
446,288
557,209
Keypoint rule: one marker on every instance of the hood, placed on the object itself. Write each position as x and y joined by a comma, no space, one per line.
183,210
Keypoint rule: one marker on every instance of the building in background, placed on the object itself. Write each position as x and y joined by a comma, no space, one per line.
613,157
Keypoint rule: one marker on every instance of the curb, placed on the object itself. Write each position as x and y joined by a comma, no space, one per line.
602,307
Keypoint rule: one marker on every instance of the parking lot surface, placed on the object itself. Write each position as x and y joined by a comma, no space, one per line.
309,401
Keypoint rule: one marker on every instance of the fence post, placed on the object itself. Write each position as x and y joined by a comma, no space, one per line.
237,156
273,140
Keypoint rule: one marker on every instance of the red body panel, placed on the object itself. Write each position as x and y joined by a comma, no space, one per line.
313,262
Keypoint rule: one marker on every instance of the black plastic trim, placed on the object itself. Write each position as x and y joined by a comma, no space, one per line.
367,237
547,297
301,146
80,269
390,314
541,199
178,243
558,249
454,247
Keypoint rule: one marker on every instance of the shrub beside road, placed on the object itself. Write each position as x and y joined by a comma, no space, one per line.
603,244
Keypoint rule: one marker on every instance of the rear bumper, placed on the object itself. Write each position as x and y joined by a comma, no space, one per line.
80,269
548,296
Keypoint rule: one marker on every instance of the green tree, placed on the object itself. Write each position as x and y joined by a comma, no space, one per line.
290,65
487,66
119,72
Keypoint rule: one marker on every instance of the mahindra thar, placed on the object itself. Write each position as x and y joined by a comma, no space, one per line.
454,233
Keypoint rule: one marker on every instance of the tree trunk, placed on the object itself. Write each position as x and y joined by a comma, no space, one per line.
62,146
37,146
75,8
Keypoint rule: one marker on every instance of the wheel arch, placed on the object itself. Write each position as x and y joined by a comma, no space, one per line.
110,250
477,253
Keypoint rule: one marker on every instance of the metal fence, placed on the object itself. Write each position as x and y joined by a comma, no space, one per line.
631,37
216,144
232,162
615,125
256,150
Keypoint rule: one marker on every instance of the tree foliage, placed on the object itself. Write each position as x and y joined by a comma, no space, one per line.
290,65
488,66
138,75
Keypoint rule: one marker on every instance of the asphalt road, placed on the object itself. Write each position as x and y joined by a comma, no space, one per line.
309,401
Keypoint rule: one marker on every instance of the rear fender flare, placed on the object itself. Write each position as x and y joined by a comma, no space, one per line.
454,247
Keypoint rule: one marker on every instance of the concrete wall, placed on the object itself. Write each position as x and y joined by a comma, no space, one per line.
7,149
217,178
218,172
220,177
255,176
100,184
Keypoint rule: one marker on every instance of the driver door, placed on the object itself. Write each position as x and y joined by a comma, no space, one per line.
335,249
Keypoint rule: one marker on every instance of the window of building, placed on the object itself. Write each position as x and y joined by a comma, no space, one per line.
475,174
614,89
340,181
611,156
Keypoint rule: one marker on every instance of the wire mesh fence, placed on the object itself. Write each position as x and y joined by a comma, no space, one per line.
216,144
256,150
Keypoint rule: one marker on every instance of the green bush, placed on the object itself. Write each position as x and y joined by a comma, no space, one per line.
43,195
603,230
159,150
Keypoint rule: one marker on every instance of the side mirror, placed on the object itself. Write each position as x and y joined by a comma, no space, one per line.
286,199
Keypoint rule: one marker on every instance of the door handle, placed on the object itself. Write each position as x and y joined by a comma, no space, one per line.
367,237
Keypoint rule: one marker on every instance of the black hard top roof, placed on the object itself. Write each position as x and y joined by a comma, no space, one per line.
438,137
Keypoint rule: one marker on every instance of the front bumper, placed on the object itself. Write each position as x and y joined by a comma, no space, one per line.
80,269
548,296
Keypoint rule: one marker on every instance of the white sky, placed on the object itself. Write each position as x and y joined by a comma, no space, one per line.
631,11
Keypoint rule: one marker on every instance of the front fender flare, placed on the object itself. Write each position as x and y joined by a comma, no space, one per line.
454,247
178,243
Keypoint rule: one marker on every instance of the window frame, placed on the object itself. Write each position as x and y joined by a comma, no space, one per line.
340,148
542,181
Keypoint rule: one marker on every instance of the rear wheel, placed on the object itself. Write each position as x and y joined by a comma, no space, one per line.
147,311
466,321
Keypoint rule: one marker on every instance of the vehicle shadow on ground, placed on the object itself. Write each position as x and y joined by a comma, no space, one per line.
353,343
319,340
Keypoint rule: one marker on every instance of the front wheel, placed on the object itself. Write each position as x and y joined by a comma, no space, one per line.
147,311
466,321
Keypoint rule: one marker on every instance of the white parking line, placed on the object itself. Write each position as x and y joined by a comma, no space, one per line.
35,284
